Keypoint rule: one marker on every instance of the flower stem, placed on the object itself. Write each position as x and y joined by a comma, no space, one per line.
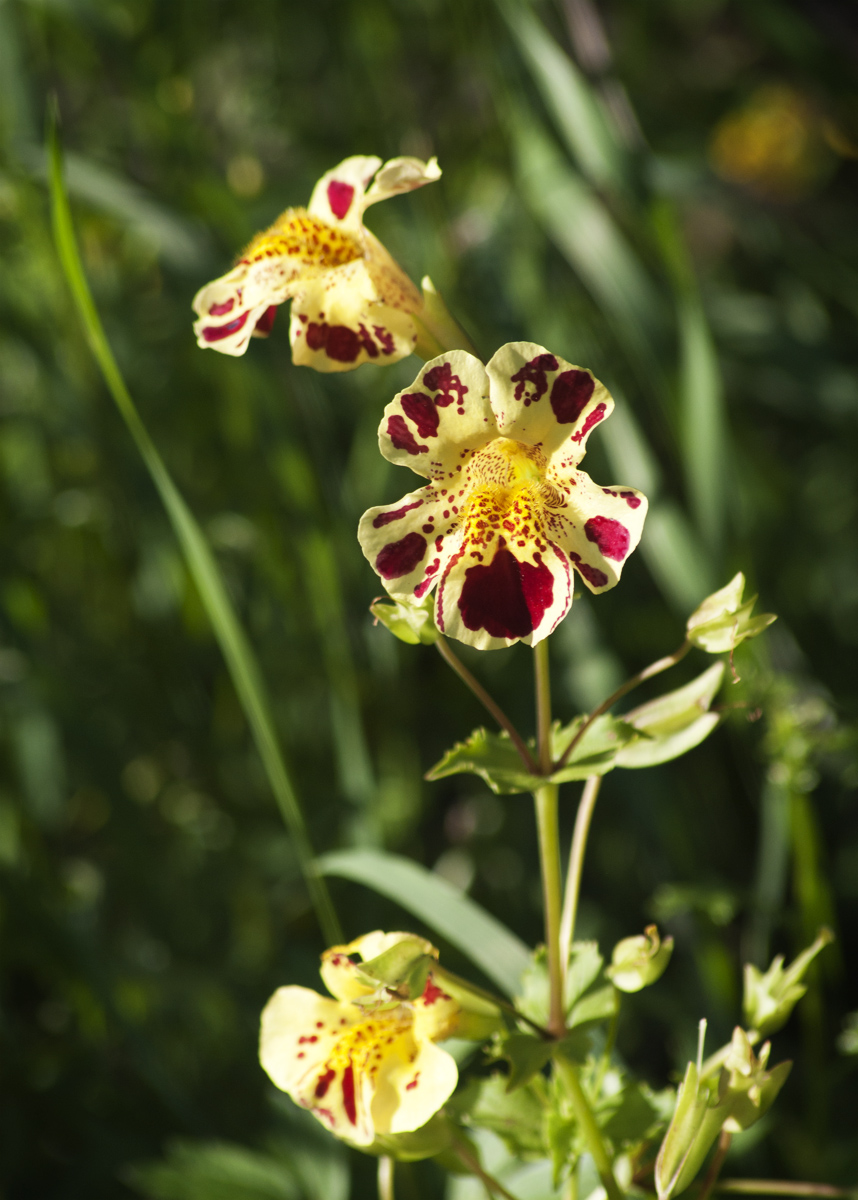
543,706
588,1126
452,660
724,1142
385,1178
655,668
470,1160
576,865
549,861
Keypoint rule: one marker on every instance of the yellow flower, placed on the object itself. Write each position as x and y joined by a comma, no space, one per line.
365,1063
352,303
507,515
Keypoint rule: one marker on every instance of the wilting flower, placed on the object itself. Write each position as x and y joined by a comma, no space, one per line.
352,303
507,514
365,1064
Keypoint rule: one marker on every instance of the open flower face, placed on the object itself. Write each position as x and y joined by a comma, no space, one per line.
507,515
352,303
365,1063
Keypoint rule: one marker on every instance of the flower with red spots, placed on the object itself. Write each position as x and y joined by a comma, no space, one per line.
507,515
352,303
365,1063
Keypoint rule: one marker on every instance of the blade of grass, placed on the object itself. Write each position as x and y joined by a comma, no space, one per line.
703,421
240,658
569,98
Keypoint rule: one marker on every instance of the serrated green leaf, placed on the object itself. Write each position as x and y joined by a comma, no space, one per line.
526,1055
674,723
585,963
629,1116
599,1005
467,926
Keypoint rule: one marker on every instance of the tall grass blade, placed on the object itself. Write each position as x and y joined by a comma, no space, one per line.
703,421
568,96
240,658
480,936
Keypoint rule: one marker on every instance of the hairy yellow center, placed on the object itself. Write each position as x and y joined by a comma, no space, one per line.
506,483
307,239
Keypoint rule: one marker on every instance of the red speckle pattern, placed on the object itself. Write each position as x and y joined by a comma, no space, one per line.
401,435
385,518
506,598
534,372
630,498
570,395
400,558
216,333
610,536
340,196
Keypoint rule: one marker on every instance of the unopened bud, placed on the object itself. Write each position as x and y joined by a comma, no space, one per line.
770,998
722,621
639,961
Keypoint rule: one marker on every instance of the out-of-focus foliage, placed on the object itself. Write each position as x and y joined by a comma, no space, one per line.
676,212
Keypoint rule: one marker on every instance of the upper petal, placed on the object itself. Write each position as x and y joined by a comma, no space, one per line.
338,197
542,400
338,322
401,175
410,542
436,424
597,527
341,975
298,1033
296,249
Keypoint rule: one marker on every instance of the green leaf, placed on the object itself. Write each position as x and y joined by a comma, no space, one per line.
599,1005
411,622
526,1055
202,565
629,1116
674,723
484,940
585,964
493,757
518,1117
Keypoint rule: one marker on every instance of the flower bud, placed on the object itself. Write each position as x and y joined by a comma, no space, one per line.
411,621
639,961
769,999
722,621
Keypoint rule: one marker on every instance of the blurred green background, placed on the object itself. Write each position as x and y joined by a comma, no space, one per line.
662,192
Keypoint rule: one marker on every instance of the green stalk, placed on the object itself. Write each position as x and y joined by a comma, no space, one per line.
576,866
202,565
549,843
385,1178
588,1126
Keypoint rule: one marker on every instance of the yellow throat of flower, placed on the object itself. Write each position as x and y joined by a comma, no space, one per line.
308,239
507,482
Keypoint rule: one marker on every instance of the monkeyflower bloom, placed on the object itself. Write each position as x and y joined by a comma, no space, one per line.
365,1063
352,303
507,515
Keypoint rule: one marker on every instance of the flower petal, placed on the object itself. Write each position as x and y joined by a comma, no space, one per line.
338,197
298,1034
442,417
409,542
411,1088
499,593
340,974
297,248
338,323
401,175
596,527
542,400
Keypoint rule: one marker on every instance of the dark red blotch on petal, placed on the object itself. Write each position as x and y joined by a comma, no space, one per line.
401,435
593,419
506,598
349,1094
591,574
324,1082
610,536
220,310
215,333
338,341
265,322
400,558
570,395
432,992
384,518
534,372
340,196
419,408
441,379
